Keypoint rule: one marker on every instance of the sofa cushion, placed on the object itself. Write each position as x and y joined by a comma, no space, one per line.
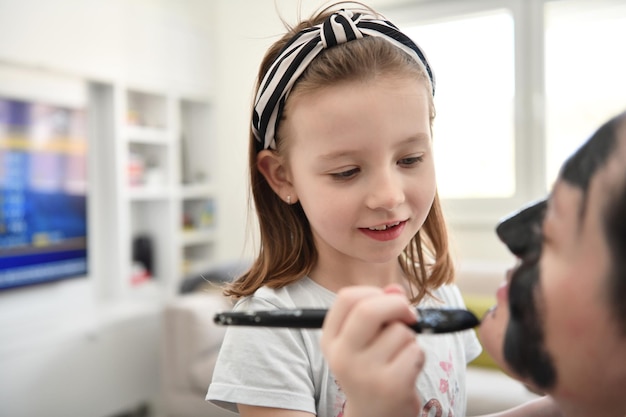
479,305
201,371
189,321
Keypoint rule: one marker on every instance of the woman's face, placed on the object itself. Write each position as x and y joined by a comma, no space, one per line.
554,326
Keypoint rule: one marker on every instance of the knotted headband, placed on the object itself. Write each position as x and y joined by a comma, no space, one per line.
340,27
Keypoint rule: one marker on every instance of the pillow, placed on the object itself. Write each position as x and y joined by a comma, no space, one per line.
479,305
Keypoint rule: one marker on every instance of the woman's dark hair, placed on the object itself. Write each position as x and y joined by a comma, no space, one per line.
615,229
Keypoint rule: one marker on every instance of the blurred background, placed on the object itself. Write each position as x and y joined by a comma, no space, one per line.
123,188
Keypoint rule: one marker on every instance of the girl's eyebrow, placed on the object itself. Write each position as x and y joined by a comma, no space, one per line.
336,154
416,139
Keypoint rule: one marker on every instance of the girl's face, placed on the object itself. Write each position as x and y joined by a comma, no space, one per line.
361,164
553,325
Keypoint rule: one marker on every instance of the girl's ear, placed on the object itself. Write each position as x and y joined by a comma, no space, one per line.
273,168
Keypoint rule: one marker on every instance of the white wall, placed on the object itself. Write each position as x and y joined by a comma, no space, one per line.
152,43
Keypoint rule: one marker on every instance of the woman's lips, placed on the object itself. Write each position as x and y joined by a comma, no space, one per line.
502,293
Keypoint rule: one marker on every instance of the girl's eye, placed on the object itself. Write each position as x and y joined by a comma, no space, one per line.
410,161
344,175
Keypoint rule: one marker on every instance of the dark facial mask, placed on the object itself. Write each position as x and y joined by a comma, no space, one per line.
524,339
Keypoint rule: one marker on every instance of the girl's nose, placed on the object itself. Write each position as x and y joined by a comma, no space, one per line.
385,192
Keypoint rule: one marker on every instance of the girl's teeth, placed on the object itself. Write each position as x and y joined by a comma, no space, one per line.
384,227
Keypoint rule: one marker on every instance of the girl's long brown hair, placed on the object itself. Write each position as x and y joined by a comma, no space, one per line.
287,251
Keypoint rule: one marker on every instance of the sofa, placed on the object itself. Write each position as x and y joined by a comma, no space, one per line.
191,342
189,349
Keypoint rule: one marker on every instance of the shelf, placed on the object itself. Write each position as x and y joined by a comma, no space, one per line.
148,292
162,169
147,193
197,258
147,110
195,237
149,165
197,147
192,191
146,135
196,268
198,213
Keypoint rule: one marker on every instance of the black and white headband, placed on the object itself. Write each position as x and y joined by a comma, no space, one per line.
342,26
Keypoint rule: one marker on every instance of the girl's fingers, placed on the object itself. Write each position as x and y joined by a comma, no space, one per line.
360,313
405,369
346,299
391,341
408,356
394,289
370,316
335,346
370,350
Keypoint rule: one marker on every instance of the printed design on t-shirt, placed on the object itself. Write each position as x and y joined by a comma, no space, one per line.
340,401
449,389
448,385
433,408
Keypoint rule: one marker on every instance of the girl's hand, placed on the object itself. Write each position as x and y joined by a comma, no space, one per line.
372,353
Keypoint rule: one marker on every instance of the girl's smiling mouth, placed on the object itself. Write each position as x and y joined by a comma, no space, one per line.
385,232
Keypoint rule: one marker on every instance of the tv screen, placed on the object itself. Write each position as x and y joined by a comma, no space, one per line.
43,193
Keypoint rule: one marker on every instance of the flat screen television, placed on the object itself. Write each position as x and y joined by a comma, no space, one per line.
43,193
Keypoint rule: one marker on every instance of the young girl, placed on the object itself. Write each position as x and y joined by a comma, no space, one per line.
343,182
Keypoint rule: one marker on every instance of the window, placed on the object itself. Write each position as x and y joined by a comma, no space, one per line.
585,72
480,118
520,84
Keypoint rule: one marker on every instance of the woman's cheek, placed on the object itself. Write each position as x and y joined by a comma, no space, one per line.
491,333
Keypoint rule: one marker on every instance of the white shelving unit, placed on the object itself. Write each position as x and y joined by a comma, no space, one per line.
197,199
163,188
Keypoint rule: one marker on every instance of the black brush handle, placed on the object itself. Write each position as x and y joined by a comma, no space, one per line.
431,320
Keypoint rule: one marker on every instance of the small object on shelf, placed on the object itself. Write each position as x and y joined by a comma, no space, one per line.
187,222
143,253
138,273
207,215
199,214
132,117
136,169
153,175
145,109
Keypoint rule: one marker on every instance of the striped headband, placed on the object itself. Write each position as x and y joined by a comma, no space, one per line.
342,26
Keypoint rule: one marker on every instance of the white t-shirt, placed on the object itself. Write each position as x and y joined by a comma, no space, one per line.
284,368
